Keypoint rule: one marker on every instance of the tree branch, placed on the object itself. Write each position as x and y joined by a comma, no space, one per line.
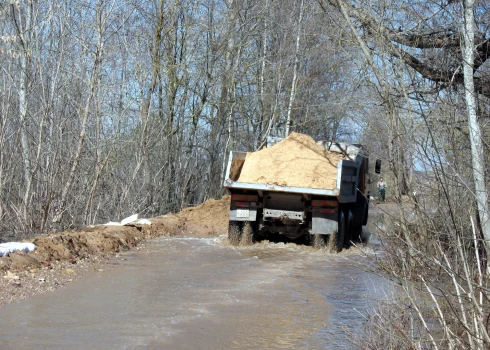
447,38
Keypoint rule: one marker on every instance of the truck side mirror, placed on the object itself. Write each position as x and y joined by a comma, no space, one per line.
377,167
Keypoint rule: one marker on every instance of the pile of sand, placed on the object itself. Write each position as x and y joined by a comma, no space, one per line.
296,161
208,219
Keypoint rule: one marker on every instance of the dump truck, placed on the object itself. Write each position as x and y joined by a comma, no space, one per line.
328,214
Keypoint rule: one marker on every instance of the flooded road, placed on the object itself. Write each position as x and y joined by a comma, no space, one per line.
200,293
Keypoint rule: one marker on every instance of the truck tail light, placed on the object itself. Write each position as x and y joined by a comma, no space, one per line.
324,203
244,197
242,204
327,210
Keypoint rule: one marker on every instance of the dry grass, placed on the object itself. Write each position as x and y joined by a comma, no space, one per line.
442,298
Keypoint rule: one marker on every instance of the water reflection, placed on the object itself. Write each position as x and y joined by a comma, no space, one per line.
189,293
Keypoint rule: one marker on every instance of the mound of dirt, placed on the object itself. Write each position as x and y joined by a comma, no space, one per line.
209,218
296,161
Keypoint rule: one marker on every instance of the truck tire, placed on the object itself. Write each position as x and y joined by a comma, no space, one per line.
349,229
366,212
247,234
360,215
234,232
340,236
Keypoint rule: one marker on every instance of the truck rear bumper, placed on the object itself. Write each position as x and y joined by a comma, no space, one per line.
284,214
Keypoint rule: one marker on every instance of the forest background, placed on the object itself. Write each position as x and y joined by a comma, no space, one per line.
109,108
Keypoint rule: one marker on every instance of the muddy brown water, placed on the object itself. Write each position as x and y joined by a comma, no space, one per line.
200,293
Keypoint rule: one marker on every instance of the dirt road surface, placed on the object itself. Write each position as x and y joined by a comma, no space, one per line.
196,292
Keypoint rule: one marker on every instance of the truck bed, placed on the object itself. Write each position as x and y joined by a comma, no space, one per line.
347,179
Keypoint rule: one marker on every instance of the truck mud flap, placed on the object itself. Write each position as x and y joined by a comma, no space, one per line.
324,223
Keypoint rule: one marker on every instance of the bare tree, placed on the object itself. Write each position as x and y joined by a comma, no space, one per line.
477,149
22,17
130,105
295,69
101,15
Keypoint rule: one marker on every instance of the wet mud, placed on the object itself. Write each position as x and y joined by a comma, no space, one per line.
194,292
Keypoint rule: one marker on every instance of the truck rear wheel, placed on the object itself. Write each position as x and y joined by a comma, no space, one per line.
340,236
234,232
349,227
360,212
247,233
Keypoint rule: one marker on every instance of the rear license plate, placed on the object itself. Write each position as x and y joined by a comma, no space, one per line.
242,213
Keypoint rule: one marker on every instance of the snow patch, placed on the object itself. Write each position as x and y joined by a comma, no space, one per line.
10,247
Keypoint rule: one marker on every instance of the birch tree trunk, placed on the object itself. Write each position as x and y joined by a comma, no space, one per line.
24,34
218,124
263,107
295,72
477,150
2,162
174,33
146,102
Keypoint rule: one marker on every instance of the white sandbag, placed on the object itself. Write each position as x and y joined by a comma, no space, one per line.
143,222
133,219
129,219
112,223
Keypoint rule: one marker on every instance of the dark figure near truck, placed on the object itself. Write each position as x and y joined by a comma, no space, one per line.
381,190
